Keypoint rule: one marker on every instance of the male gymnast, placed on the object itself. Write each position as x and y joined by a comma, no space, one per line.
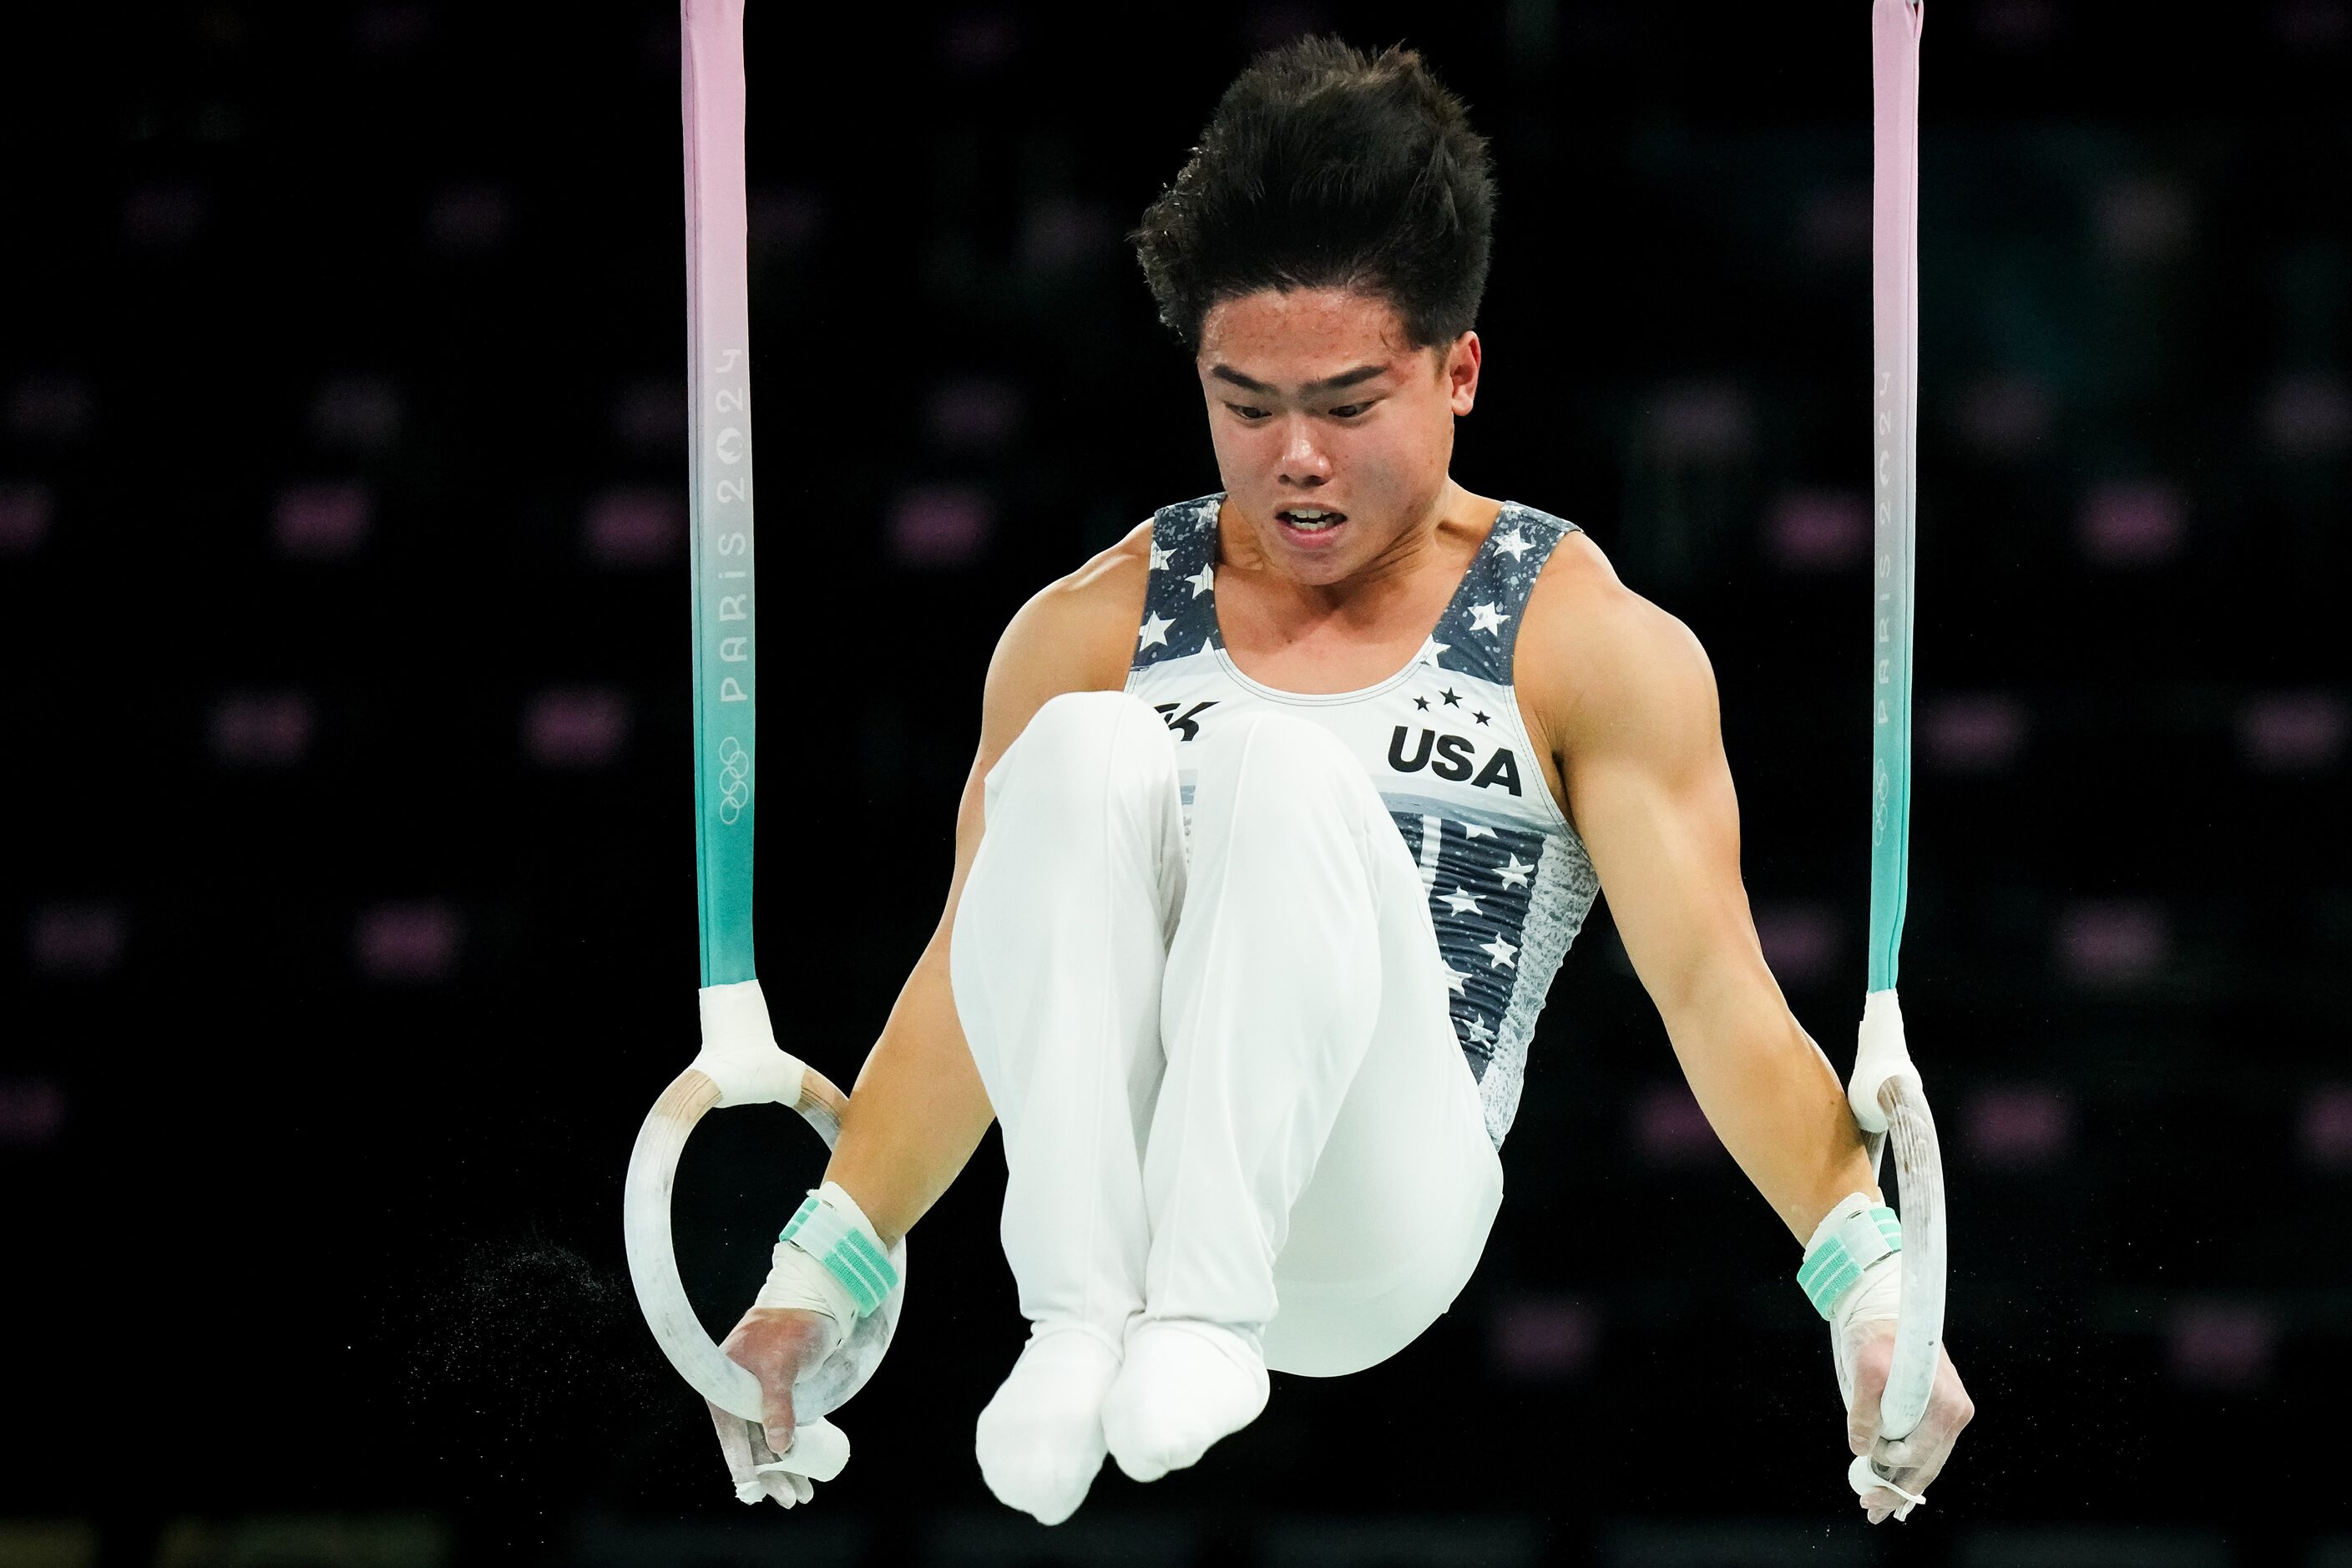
1286,810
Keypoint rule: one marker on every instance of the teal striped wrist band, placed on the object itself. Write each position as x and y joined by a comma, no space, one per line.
849,1250
1854,1237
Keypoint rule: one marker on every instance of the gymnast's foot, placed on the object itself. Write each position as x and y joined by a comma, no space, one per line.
1040,1441
1184,1385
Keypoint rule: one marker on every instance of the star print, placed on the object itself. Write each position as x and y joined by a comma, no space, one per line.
1472,830
1513,544
1479,1034
1487,618
1155,630
1502,952
1201,581
1460,902
1159,558
1430,648
1422,703
1480,717
1453,698
1515,874
1455,978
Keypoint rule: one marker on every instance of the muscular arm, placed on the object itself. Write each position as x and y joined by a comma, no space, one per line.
1650,790
917,1109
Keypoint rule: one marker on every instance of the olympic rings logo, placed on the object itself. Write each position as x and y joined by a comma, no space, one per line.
734,780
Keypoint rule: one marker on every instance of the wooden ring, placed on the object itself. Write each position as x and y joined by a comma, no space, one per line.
661,1293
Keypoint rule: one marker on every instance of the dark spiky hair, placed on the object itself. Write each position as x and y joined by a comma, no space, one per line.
1324,167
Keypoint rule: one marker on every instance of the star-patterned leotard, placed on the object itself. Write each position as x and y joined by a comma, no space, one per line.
1509,881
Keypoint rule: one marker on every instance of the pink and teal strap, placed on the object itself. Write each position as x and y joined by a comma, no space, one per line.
719,468
1894,26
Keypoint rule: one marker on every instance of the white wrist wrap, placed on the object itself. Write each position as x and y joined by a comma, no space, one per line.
1854,1235
830,1260
799,1283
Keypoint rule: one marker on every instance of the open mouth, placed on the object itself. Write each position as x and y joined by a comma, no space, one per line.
1309,519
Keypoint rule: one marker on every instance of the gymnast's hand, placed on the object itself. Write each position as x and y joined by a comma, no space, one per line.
1914,1461
775,1345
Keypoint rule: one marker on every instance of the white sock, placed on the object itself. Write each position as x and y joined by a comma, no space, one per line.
1040,1441
1184,1385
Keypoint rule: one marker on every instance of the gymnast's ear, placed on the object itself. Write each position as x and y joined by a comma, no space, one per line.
1458,364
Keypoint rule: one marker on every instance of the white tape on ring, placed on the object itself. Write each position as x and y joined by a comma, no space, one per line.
740,1053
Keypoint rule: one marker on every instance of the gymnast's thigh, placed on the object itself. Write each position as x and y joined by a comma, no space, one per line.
1396,1216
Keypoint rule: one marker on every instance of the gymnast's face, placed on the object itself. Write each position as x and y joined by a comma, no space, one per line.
1333,434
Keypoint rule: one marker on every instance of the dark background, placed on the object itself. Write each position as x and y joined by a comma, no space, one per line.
346,902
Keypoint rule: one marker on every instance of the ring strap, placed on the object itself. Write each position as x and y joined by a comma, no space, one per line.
1894,28
718,475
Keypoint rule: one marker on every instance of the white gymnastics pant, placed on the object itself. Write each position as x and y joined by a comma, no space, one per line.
1227,1082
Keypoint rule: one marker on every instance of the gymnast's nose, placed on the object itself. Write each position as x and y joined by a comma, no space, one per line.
1303,461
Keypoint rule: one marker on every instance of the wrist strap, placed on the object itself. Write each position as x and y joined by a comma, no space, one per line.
1851,1237
832,1228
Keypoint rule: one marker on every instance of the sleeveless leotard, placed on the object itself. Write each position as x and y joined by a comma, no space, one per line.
1509,881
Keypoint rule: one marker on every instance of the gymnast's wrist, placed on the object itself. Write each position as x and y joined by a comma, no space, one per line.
829,1260
1857,1241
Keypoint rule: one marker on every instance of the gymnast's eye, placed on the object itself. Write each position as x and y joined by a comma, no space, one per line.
1246,412
1350,410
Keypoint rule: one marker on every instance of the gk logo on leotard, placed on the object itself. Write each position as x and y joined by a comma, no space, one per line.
734,780
1186,724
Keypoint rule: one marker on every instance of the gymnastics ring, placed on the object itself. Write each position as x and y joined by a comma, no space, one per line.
1886,1082
739,1063
1885,1095
1919,1332
653,1259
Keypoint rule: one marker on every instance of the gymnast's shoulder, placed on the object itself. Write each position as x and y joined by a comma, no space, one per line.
1593,651
1075,633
